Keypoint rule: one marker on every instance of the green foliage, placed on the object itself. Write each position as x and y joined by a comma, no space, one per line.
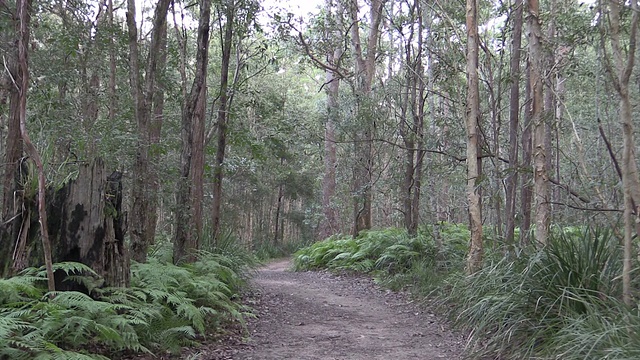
455,243
231,248
515,308
389,251
266,250
598,334
167,306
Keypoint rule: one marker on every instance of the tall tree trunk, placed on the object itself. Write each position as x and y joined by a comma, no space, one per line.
329,224
418,126
277,225
514,113
11,203
363,141
560,92
197,168
23,9
476,250
549,113
620,76
4,101
223,117
407,119
494,90
142,207
185,241
527,189
540,177
433,129
112,64
155,133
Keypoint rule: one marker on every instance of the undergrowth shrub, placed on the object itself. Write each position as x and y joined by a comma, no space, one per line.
388,251
166,307
516,308
598,334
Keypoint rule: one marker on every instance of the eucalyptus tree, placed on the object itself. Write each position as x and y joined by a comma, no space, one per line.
189,188
230,13
476,250
13,146
274,152
142,91
413,116
540,151
329,225
360,76
620,69
19,75
364,69
514,115
238,16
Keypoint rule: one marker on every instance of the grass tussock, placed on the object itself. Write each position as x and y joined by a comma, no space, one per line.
166,307
558,302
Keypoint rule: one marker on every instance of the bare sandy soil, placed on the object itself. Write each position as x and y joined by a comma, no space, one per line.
321,316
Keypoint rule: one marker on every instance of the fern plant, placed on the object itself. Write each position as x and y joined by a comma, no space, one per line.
166,307
389,251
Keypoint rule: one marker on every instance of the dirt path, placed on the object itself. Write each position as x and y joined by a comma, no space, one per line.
320,316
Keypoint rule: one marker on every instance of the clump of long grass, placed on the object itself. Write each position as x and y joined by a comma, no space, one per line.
515,308
608,331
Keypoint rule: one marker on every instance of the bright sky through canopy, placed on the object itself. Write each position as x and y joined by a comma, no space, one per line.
297,7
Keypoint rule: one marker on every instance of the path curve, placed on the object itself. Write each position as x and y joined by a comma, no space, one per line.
321,316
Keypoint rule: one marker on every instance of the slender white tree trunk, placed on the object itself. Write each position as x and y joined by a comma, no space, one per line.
476,250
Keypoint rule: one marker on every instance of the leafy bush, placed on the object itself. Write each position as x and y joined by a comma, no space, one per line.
166,306
455,243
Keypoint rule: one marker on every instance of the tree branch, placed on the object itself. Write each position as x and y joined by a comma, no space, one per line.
586,209
570,191
317,61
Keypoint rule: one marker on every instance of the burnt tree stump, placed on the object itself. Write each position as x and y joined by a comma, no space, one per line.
87,224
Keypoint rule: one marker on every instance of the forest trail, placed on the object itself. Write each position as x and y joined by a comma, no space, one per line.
321,316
